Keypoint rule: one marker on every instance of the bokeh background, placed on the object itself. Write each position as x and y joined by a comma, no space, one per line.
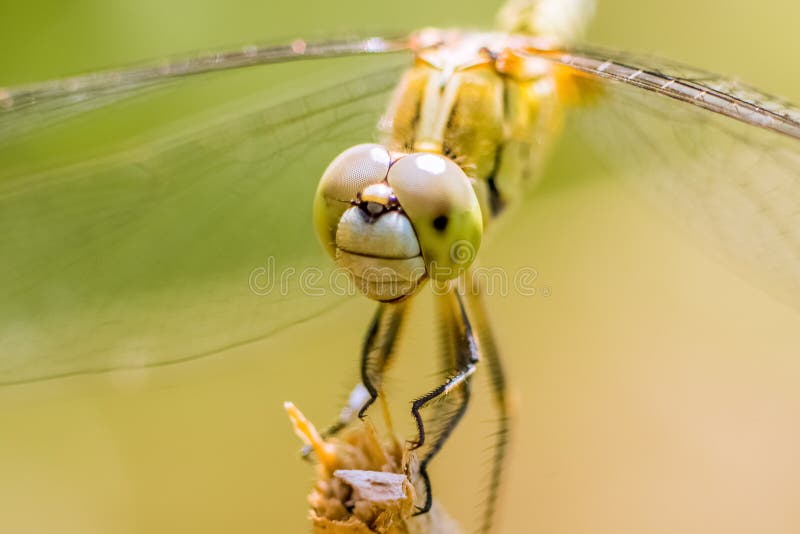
656,389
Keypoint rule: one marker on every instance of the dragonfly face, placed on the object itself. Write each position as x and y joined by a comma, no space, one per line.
392,221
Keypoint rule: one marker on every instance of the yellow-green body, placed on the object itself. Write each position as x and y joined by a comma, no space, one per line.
469,121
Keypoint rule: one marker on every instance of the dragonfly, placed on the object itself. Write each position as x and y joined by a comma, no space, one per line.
475,112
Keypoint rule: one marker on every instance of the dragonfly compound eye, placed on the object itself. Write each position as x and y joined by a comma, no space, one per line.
441,204
350,173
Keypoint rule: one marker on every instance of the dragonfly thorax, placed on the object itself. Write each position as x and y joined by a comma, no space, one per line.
393,220
477,99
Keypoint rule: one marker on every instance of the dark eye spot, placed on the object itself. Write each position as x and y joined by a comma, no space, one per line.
440,222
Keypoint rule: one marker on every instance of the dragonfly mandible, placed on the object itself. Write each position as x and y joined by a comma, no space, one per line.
558,72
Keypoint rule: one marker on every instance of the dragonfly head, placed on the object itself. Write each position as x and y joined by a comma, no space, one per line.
392,221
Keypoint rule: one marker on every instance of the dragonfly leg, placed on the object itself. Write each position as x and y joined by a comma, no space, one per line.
497,382
378,347
375,356
452,397
357,399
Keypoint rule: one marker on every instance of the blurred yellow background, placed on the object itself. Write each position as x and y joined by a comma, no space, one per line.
656,390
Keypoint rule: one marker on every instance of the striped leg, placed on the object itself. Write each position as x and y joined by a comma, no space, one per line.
450,399
375,357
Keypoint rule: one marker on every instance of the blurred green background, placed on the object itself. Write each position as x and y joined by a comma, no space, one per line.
653,396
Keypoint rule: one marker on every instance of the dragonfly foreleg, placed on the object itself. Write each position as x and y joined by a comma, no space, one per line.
378,347
450,398
375,357
357,399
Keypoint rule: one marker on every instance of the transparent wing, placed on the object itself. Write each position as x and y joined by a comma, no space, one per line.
41,104
690,85
180,244
719,159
